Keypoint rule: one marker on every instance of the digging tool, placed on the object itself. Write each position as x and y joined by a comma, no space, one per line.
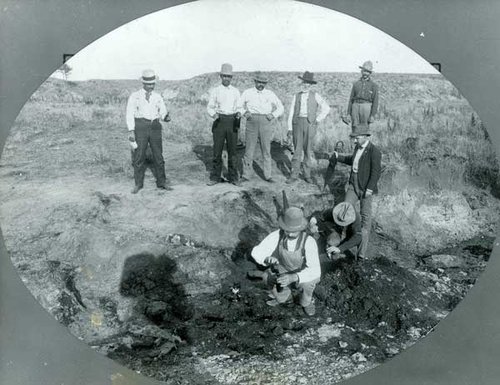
332,163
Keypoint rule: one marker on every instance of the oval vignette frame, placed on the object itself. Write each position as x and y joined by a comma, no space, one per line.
7,322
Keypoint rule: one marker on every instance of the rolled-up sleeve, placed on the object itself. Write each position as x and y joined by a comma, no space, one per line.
266,247
279,107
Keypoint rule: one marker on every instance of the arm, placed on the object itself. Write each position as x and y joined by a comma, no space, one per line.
279,107
131,106
375,169
312,270
324,108
346,159
374,108
162,108
266,247
211,103
290,115
353,235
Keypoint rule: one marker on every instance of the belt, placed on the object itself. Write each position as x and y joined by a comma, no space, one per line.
147,120
361,101
227,116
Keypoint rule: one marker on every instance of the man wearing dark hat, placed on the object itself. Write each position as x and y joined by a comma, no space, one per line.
365,173
145,109
363,102
260,106
308,108
293,260
223,108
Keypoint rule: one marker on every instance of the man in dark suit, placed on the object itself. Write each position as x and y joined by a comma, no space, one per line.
365,165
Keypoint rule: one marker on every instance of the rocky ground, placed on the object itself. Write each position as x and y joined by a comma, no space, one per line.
158,280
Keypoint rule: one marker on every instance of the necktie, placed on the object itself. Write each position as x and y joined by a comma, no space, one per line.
148,94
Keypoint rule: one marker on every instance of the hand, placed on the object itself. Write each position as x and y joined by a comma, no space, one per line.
131,136
270,117
247,115
336,154
167,117
368,193
271,261
332,250
216,116
287,279
238,115
371,119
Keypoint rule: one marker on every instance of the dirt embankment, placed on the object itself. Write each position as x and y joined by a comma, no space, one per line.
158,280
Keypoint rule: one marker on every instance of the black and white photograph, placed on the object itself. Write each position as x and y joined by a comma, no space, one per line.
248,192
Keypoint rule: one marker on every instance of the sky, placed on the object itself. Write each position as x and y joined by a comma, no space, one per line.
280,35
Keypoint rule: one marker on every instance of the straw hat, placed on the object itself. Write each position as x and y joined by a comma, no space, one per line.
226,69
148,77
260,77
367,65
344,214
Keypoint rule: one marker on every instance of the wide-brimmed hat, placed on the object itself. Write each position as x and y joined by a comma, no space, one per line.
344,214
226,69
148,77
360,129
293,220
367,65
260,77
308,77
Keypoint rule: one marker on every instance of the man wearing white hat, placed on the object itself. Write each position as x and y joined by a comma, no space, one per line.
145,109
293,260
223,108
308,108
363,101
346,217
366,167
260,107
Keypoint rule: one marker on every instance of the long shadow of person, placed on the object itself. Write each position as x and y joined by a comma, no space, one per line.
159,295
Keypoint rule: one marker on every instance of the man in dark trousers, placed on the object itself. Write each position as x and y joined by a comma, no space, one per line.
308,108
145,109
363,102
223,108
366,166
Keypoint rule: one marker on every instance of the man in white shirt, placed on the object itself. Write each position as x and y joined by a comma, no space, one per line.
308,108
293,260
223,108
260,106
145,109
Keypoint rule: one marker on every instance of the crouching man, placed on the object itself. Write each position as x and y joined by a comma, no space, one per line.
345,216
293,261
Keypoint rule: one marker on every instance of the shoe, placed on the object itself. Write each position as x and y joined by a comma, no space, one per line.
165,187
236,182
291,180
274,302
308,179
244,179
270,180
310,309
136,189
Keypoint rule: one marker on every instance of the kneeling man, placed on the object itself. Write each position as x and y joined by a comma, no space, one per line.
293,260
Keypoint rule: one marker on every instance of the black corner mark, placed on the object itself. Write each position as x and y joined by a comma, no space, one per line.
437,66
67,56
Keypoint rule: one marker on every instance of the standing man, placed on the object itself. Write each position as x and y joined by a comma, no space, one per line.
222,107
365,173
308,108
145,109
363,102
260,107
293,260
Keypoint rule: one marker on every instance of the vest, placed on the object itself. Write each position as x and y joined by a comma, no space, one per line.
292,260
312,107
